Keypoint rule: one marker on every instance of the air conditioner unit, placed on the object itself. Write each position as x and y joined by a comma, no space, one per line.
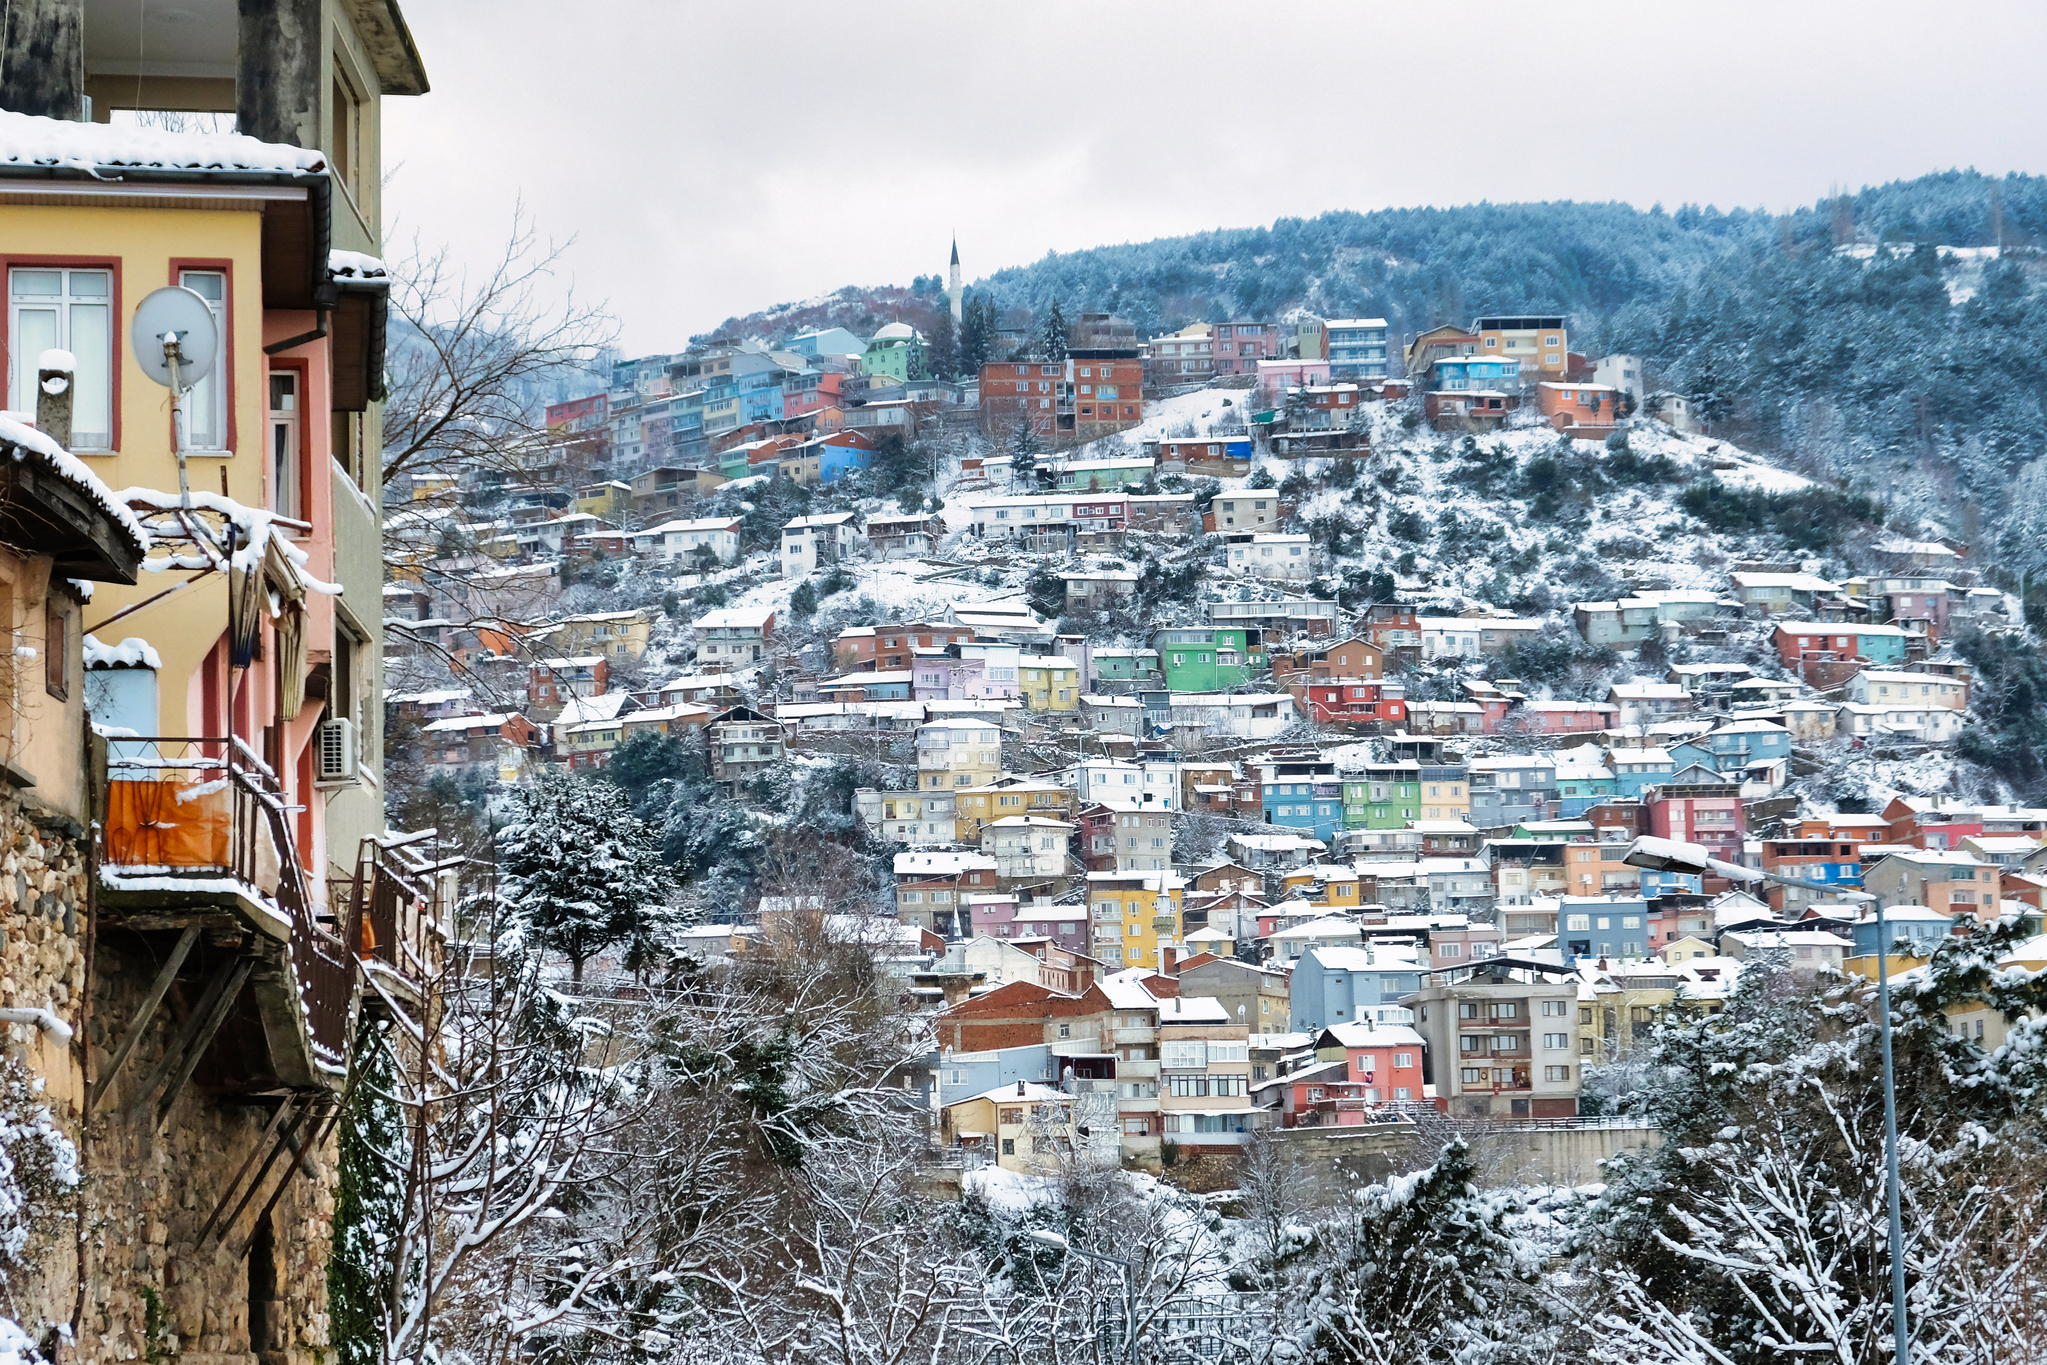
337,750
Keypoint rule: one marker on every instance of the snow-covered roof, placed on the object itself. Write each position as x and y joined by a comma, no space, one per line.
27,141
699,524
26,441
491,720
1331,927
1376,959
133,652
1200,1009
1365,1034
922,864
739,618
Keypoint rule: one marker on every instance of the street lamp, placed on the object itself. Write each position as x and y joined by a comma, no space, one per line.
1054,1242
1672,855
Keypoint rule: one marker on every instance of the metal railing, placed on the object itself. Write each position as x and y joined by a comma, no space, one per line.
225,813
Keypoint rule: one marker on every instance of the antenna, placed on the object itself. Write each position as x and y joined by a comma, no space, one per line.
174,339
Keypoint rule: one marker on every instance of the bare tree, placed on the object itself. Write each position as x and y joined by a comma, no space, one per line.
472,353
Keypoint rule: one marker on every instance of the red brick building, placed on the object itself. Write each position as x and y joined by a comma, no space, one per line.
1091,393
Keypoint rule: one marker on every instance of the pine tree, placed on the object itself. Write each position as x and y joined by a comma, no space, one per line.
944,357
1052,335
974,336
581,872
367,1212
1023,451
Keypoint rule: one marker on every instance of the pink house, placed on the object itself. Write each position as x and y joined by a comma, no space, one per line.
1358,1069
1569,717
1275,377
974,678
1239,346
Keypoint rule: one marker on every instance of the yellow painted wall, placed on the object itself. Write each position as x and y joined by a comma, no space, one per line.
145,240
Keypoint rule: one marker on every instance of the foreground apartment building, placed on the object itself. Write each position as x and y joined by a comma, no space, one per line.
235,784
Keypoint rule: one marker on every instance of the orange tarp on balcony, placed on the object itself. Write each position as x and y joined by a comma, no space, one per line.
148,826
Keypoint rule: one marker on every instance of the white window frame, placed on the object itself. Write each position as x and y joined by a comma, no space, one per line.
206,402
90,388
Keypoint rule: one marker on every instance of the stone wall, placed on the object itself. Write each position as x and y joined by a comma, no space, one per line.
146,1193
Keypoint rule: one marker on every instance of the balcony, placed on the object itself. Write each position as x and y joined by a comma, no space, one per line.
199,864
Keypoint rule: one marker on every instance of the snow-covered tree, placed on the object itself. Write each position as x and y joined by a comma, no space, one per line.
581,872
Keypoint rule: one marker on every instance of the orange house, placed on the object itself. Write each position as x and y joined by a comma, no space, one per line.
1578,405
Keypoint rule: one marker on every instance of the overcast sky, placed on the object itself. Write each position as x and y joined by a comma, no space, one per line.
713,159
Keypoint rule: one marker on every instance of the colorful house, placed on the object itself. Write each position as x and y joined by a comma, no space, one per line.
1208,658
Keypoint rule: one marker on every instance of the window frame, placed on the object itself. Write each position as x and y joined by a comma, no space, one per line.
10,262
225,267
301,370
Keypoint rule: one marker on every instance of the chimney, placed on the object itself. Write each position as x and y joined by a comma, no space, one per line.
1019,1089
53,396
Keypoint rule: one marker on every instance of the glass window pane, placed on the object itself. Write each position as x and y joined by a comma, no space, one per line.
38,283
92,407
35,330
89,284
207,284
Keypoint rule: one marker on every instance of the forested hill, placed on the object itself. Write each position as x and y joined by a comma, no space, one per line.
1903,371
1417,267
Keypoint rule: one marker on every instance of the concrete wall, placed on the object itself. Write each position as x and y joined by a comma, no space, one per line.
1556,1156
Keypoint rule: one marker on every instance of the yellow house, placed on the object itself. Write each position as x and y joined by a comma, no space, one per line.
612,501
1974,1020
1684,949
1034,1128
1049,683
976,806
617,634
1325,884
1444,799
1593,869
1127,924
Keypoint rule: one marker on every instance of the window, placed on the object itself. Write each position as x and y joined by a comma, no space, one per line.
1584,1015
1009,1146
68,310
1577,922
56,648
348,139
284,444
1556,1073
1473,1075
1556,1042
206,401
1555,1009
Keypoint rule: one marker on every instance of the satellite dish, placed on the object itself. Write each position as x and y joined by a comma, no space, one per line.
174,312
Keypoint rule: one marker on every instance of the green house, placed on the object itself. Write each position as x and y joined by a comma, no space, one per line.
1125,665
1387,797
1208,658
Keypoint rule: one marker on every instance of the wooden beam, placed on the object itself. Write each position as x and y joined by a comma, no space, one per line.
286,1137
144,1012
282,1112
211,1026
284,1181
212,1007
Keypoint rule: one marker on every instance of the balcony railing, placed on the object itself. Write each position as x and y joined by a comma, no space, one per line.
189,814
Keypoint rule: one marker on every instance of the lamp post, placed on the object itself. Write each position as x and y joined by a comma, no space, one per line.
1671,855
1053,1241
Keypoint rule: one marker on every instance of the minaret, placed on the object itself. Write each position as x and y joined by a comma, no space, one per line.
952,289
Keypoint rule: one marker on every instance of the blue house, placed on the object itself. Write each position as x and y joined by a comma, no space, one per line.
1918,925
1612,927
1342,985
1582,783
1636,769
1466,373
1357,349
963,1075
1736,745
1314,808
